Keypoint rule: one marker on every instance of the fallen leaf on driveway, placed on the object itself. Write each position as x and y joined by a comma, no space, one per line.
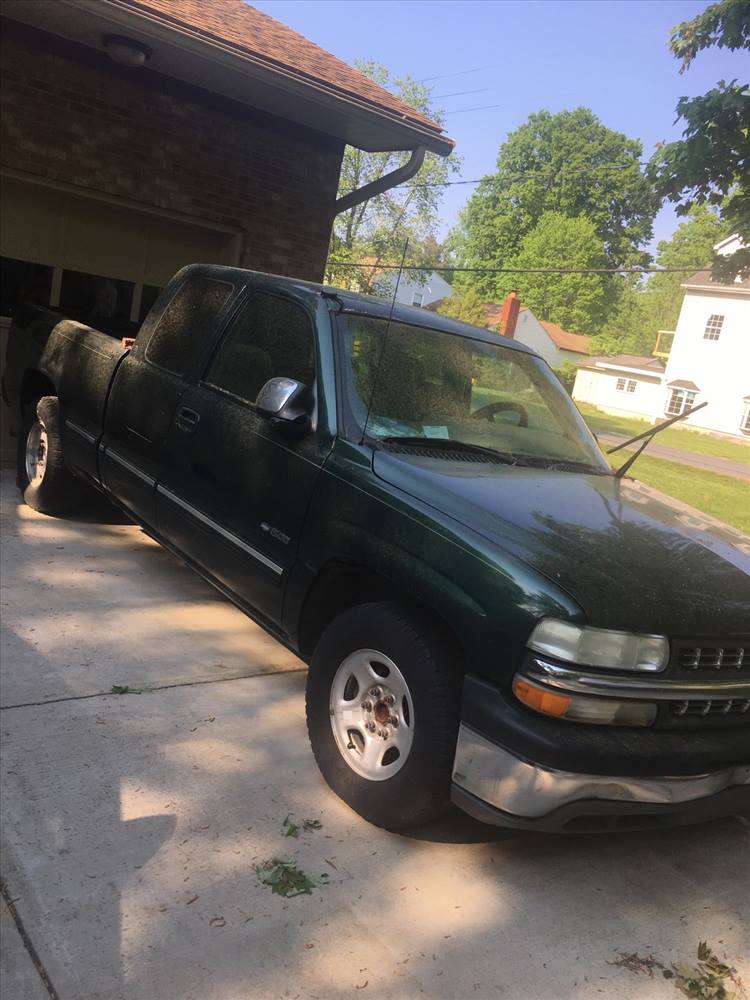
217,922
192,900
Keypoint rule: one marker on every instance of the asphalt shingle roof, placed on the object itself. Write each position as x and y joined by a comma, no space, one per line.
237,24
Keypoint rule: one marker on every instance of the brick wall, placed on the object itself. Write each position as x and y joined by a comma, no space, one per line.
69,114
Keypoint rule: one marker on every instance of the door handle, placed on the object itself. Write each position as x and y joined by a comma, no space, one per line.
187,420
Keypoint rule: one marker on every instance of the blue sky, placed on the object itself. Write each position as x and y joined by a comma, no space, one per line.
610,56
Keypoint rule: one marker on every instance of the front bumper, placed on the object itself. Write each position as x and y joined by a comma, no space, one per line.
497,786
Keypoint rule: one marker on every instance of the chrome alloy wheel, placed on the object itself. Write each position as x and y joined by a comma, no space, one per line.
372,715
36,453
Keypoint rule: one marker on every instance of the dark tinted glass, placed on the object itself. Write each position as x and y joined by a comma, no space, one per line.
271,337
188,320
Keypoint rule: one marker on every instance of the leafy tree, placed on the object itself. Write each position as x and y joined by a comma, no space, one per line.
578,302
466,306
377,229
567,163
711,163
644,308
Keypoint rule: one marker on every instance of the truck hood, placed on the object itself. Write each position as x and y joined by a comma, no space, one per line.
627,555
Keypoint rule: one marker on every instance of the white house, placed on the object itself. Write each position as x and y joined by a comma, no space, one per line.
708,361
555,345
626,385
414,288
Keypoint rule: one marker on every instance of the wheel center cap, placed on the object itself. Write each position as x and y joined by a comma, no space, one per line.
382,713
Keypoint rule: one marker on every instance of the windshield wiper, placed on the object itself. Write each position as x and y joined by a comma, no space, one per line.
445,444
647,436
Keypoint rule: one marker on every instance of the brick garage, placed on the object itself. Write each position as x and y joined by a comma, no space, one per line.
141,135
69,115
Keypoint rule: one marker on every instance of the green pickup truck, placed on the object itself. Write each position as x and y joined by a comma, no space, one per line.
416,508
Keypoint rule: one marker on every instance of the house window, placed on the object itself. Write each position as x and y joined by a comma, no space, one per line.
417,300
745,425
679,401
626,385
713,327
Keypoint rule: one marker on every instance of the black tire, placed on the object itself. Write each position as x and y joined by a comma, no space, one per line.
57,491
420,791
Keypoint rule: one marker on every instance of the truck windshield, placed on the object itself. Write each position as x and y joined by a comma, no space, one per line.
418,387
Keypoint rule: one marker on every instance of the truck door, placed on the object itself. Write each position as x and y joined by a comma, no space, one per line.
171,345
234,492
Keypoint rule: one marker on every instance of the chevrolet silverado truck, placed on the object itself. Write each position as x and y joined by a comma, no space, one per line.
417,509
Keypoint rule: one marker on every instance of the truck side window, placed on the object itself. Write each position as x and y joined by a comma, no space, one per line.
271,337
179,335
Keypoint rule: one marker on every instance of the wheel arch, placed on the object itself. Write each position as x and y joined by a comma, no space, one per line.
34,385
340,586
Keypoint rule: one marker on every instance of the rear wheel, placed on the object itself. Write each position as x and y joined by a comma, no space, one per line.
46,483
382,714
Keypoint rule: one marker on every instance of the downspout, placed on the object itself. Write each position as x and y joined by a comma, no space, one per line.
385,183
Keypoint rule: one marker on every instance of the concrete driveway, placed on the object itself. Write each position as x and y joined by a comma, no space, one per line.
131,824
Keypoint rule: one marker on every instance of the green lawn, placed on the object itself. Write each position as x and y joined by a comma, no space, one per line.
721,496
675,437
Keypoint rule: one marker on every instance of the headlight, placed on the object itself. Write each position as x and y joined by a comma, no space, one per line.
600,647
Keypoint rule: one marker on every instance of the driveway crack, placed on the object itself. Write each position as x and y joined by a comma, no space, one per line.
156,687
28,943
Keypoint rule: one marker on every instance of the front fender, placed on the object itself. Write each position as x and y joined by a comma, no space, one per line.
489,599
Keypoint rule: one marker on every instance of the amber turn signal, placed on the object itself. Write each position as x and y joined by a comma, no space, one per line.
540,700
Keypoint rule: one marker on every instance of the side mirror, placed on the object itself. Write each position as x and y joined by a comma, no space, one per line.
287,403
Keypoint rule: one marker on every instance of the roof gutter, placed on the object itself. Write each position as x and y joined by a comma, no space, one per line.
384,183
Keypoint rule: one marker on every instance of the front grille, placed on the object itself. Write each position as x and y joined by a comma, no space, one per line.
715,657
710,706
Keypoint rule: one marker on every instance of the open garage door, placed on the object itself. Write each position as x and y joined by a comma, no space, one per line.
97,261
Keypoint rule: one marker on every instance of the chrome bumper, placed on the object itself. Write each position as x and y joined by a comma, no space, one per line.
526,790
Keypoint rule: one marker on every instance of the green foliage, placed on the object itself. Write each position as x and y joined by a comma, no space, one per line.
567,375
725,24
377,229
285,879
466,306
577,302
568,164
644,308
711,163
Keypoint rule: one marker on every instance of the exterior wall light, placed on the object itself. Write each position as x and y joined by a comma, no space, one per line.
126,51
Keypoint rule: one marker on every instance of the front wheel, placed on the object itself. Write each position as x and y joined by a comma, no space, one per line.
45,481
382,713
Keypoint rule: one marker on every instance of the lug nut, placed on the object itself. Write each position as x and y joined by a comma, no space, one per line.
371,727
393,721
375,692
390,700
367,706
383,733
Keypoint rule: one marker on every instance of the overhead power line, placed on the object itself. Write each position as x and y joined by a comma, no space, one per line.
458,93
483,107
518,270
517,176
446,76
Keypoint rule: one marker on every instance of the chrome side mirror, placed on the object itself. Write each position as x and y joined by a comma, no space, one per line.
287,403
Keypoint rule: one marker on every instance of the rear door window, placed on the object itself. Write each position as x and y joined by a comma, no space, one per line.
181,333
270,337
